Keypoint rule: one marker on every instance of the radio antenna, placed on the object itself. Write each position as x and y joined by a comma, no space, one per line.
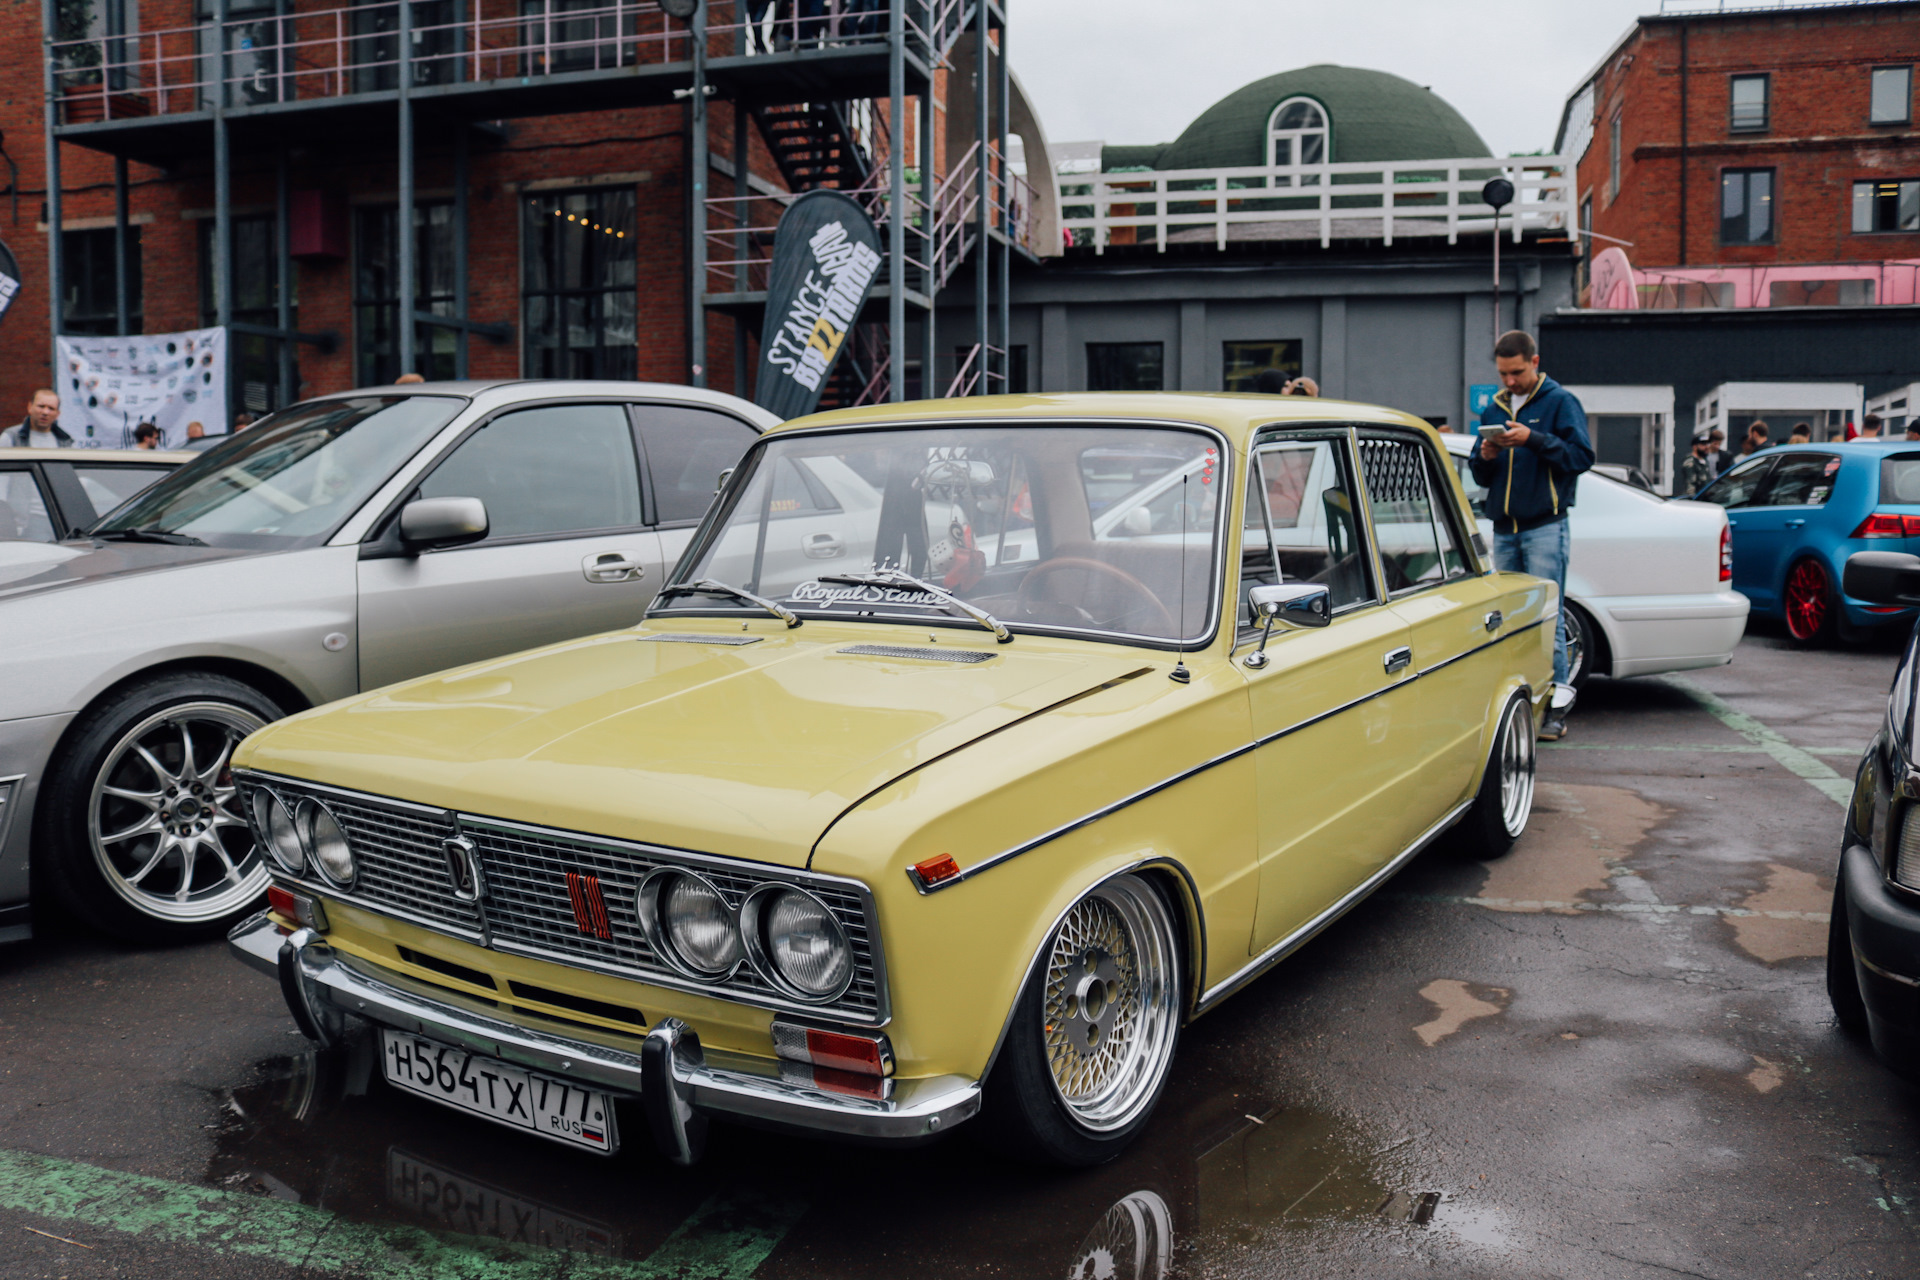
1180,674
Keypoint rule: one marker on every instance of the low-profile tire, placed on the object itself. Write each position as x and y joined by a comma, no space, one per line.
1843,980
1586,647
1093,1032
1810,604
1505,799
139,832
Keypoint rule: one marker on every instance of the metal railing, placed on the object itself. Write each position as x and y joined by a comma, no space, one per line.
1362,200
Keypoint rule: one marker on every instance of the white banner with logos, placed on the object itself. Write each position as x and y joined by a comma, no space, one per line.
109,386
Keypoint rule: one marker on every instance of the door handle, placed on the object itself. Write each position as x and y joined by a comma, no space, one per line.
1795,524
612,566
823,546
1397,659
1493,620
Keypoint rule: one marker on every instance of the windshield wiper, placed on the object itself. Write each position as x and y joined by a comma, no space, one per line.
149,535
708,586
899,578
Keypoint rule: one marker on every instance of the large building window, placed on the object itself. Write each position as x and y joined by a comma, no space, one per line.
1891,205
376,293
90,305
578,285
1746,206
1613,156
1297,134
1242,363
1126,366
255,360
1892,100
1747,104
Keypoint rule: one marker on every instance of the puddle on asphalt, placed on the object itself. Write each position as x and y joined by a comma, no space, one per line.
1573,842
1775,938
1216,1175
1457,1003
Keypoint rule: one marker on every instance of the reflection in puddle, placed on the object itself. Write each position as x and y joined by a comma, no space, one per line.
447,1201
1134,1241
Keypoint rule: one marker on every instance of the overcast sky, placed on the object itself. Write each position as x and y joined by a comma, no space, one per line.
1138,71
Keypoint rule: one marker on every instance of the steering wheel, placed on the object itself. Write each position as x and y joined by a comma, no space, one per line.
1024,601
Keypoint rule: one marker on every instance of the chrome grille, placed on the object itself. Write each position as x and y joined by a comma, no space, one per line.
401,870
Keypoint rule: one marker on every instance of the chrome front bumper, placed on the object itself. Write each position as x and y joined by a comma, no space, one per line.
670,1074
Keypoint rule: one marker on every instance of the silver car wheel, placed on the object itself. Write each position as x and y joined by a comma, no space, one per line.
1133,1241
1111,1005
163,819
1516,767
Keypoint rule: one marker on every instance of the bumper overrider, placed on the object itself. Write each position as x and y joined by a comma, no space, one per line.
1885,930
678,1086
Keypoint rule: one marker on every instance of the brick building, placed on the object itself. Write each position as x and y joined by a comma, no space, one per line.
551,143
1754,137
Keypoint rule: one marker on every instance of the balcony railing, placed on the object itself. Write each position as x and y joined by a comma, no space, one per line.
1894,282
333,52
1328,202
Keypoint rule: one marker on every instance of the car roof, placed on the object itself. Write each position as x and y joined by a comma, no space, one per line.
1236,415
175,456
505,390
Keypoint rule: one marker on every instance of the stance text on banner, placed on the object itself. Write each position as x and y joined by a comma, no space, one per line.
109,386
825,256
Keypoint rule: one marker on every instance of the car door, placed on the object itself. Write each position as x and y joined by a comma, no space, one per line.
104,486
1324,702
1773,527
1739,491
26,510
686,448
1452,611
567,552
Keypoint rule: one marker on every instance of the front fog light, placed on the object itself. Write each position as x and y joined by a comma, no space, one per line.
795,938
327,842
275,825
689,924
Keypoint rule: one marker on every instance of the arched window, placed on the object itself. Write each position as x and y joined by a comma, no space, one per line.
1296,135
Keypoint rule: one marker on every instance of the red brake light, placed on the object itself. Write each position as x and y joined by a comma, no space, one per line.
832,1050
1726,553
1886,524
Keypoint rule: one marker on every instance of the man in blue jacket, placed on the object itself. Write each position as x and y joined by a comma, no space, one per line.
1529,471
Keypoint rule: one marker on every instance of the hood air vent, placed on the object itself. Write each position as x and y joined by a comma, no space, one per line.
692,639
964,656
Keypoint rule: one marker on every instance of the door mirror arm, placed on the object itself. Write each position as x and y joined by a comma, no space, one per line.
1294,605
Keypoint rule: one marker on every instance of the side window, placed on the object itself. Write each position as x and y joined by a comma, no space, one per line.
1417,548
1303,521
1740,486
798,491
1802,480
23,508
556,469
1476,492
687,449
108,487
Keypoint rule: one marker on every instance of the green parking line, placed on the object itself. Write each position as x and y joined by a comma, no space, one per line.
1795,760
727,1238
1697,748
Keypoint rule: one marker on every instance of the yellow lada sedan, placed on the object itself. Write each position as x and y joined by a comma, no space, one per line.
975,747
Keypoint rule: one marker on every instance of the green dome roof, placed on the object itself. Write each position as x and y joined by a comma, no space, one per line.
1372,116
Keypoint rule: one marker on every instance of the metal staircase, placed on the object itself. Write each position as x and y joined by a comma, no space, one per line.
814,145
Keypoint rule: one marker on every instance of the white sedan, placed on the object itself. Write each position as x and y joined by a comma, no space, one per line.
1650,583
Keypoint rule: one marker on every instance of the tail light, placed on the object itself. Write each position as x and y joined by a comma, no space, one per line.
1887,524
1726,553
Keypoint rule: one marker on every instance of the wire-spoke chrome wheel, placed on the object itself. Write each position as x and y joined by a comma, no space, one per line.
1111,1004
1516,768
1133,1241
166,829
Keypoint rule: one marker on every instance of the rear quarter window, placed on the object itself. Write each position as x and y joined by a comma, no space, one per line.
1900,478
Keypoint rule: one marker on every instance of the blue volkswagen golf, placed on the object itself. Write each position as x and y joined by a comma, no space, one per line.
1798,511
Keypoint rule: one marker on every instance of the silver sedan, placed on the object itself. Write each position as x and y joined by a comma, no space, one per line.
345,543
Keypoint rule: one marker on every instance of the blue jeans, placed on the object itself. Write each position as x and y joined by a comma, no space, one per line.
1541,552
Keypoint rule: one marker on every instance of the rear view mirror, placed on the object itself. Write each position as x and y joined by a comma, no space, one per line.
427,524
1292,605
1882,577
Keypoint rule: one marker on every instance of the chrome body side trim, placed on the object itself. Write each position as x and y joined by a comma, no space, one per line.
731,1084
1006,855
1300,937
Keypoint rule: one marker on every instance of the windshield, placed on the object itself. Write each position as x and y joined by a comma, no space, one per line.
1107,530
291,480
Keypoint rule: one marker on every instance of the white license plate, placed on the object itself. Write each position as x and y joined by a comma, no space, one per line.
554,1109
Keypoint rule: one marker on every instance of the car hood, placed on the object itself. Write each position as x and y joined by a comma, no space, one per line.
749,750
31,568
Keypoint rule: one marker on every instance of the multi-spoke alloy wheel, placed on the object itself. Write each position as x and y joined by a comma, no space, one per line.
1808,603
137,827
166,829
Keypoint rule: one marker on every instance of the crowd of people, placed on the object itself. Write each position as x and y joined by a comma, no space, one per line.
41,428
1710,458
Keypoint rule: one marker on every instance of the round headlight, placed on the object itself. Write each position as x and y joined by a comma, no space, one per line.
797,938
689,924
326,842
275,825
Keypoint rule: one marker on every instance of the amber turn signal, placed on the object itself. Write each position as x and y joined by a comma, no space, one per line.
937,868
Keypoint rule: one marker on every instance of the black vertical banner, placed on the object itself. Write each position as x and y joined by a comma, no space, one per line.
826,254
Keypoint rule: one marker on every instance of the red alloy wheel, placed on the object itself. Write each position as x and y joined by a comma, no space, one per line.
1807,603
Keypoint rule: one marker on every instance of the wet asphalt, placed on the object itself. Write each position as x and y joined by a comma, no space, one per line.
1608,1055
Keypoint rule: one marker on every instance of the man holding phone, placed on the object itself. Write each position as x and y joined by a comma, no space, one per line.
1533,447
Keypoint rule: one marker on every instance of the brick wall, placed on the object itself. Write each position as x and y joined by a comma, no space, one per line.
1818,141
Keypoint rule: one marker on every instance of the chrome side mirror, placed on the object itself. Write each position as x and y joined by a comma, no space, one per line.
1295,605
430,523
